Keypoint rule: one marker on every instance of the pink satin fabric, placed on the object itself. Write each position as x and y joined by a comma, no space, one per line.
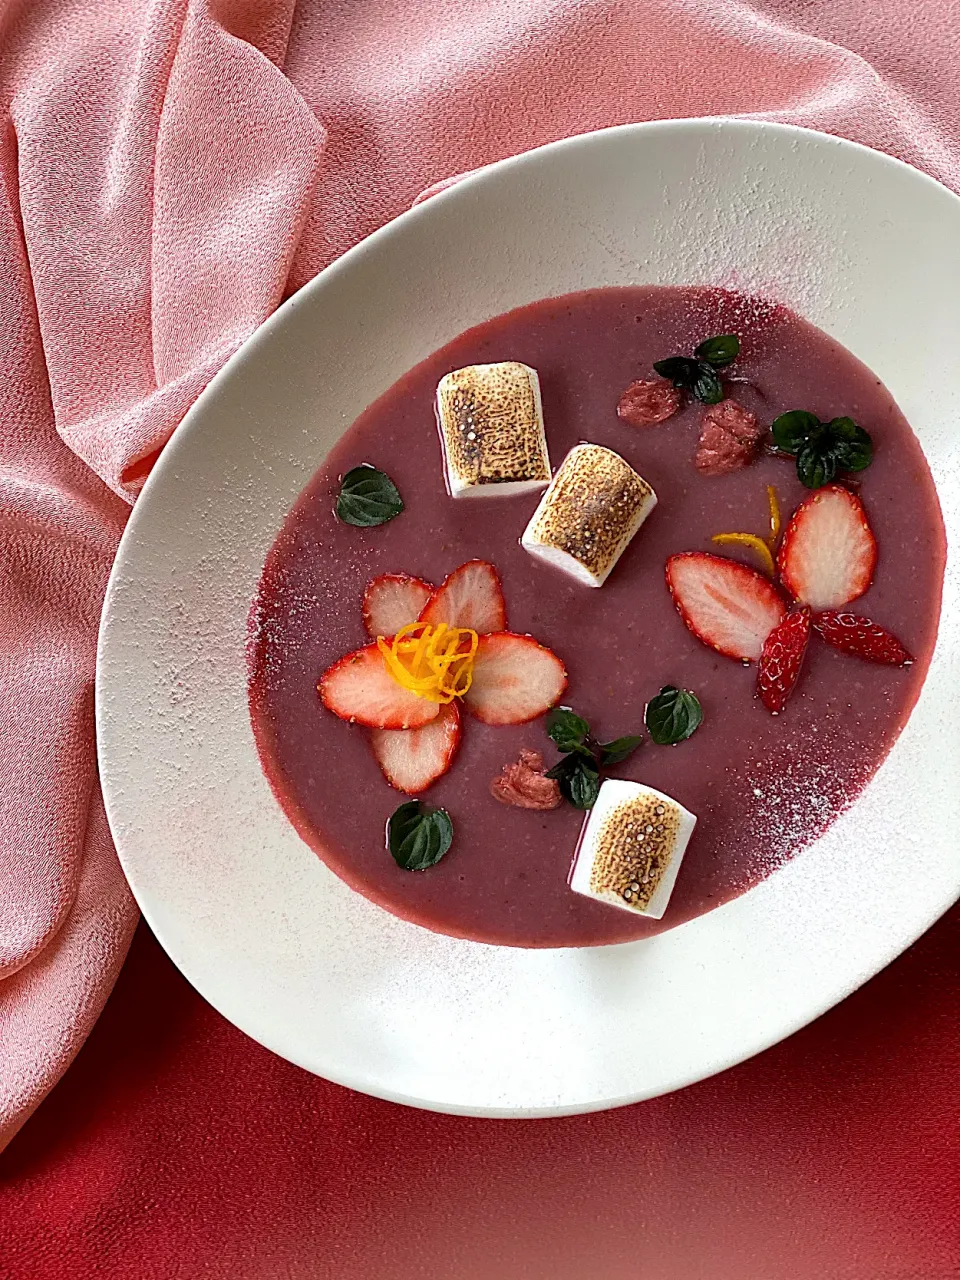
169,170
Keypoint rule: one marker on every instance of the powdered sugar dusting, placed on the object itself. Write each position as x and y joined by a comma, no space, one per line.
794,805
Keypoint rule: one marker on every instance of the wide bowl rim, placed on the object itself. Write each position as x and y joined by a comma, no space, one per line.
193,421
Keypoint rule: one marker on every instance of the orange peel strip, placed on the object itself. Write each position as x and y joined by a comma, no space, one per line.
774,504
434,662
754,542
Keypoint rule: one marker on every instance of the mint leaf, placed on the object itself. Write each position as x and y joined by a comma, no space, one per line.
680,370
582,785
578,772
694,376
852,446
719,351
822,448
568,730
417,837
563,768
791,431
816,466
619,749
673,715
578,778
845,429
707,387
697,374
367,497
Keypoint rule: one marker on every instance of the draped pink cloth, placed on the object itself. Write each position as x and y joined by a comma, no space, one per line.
169,170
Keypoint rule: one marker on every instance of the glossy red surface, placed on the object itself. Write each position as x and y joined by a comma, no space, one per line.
177,1149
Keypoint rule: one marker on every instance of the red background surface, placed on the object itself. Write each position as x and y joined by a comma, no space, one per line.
175,1148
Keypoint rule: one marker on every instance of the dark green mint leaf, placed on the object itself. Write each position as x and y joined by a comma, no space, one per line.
563,768
719,351
673,715
791,431
619,749
418,837
707,388
367,497
822,448
816,466
578,778
582,785
846,429
852,446
680,370
853,457
568,730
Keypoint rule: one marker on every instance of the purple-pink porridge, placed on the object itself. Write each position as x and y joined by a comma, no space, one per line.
761,786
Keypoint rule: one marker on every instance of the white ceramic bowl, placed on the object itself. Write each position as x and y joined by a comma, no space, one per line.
866,248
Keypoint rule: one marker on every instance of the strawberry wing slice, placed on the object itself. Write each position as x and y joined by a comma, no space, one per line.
393,601
781,660
360,689
828,553
514,679
411,759
727,605
470,597
860,636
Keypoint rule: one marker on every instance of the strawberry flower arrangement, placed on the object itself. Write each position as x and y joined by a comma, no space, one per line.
436,652
826,560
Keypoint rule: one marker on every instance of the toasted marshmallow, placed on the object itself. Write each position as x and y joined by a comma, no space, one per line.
490,420
631,848
595,504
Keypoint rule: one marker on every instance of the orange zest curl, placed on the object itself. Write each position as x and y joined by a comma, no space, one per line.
754,542
764,547
774,505
435,663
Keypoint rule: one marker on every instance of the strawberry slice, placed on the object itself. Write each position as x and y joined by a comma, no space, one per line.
828,553
392,601
727,605
469,597
514,679
861,637
782,659
411,759
359,688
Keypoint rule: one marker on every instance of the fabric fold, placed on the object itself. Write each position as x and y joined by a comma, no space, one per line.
157,169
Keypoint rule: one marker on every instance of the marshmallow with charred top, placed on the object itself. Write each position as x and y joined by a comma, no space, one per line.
491,429
595,504
631,848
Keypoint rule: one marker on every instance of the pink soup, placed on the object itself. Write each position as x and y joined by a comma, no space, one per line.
761,786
